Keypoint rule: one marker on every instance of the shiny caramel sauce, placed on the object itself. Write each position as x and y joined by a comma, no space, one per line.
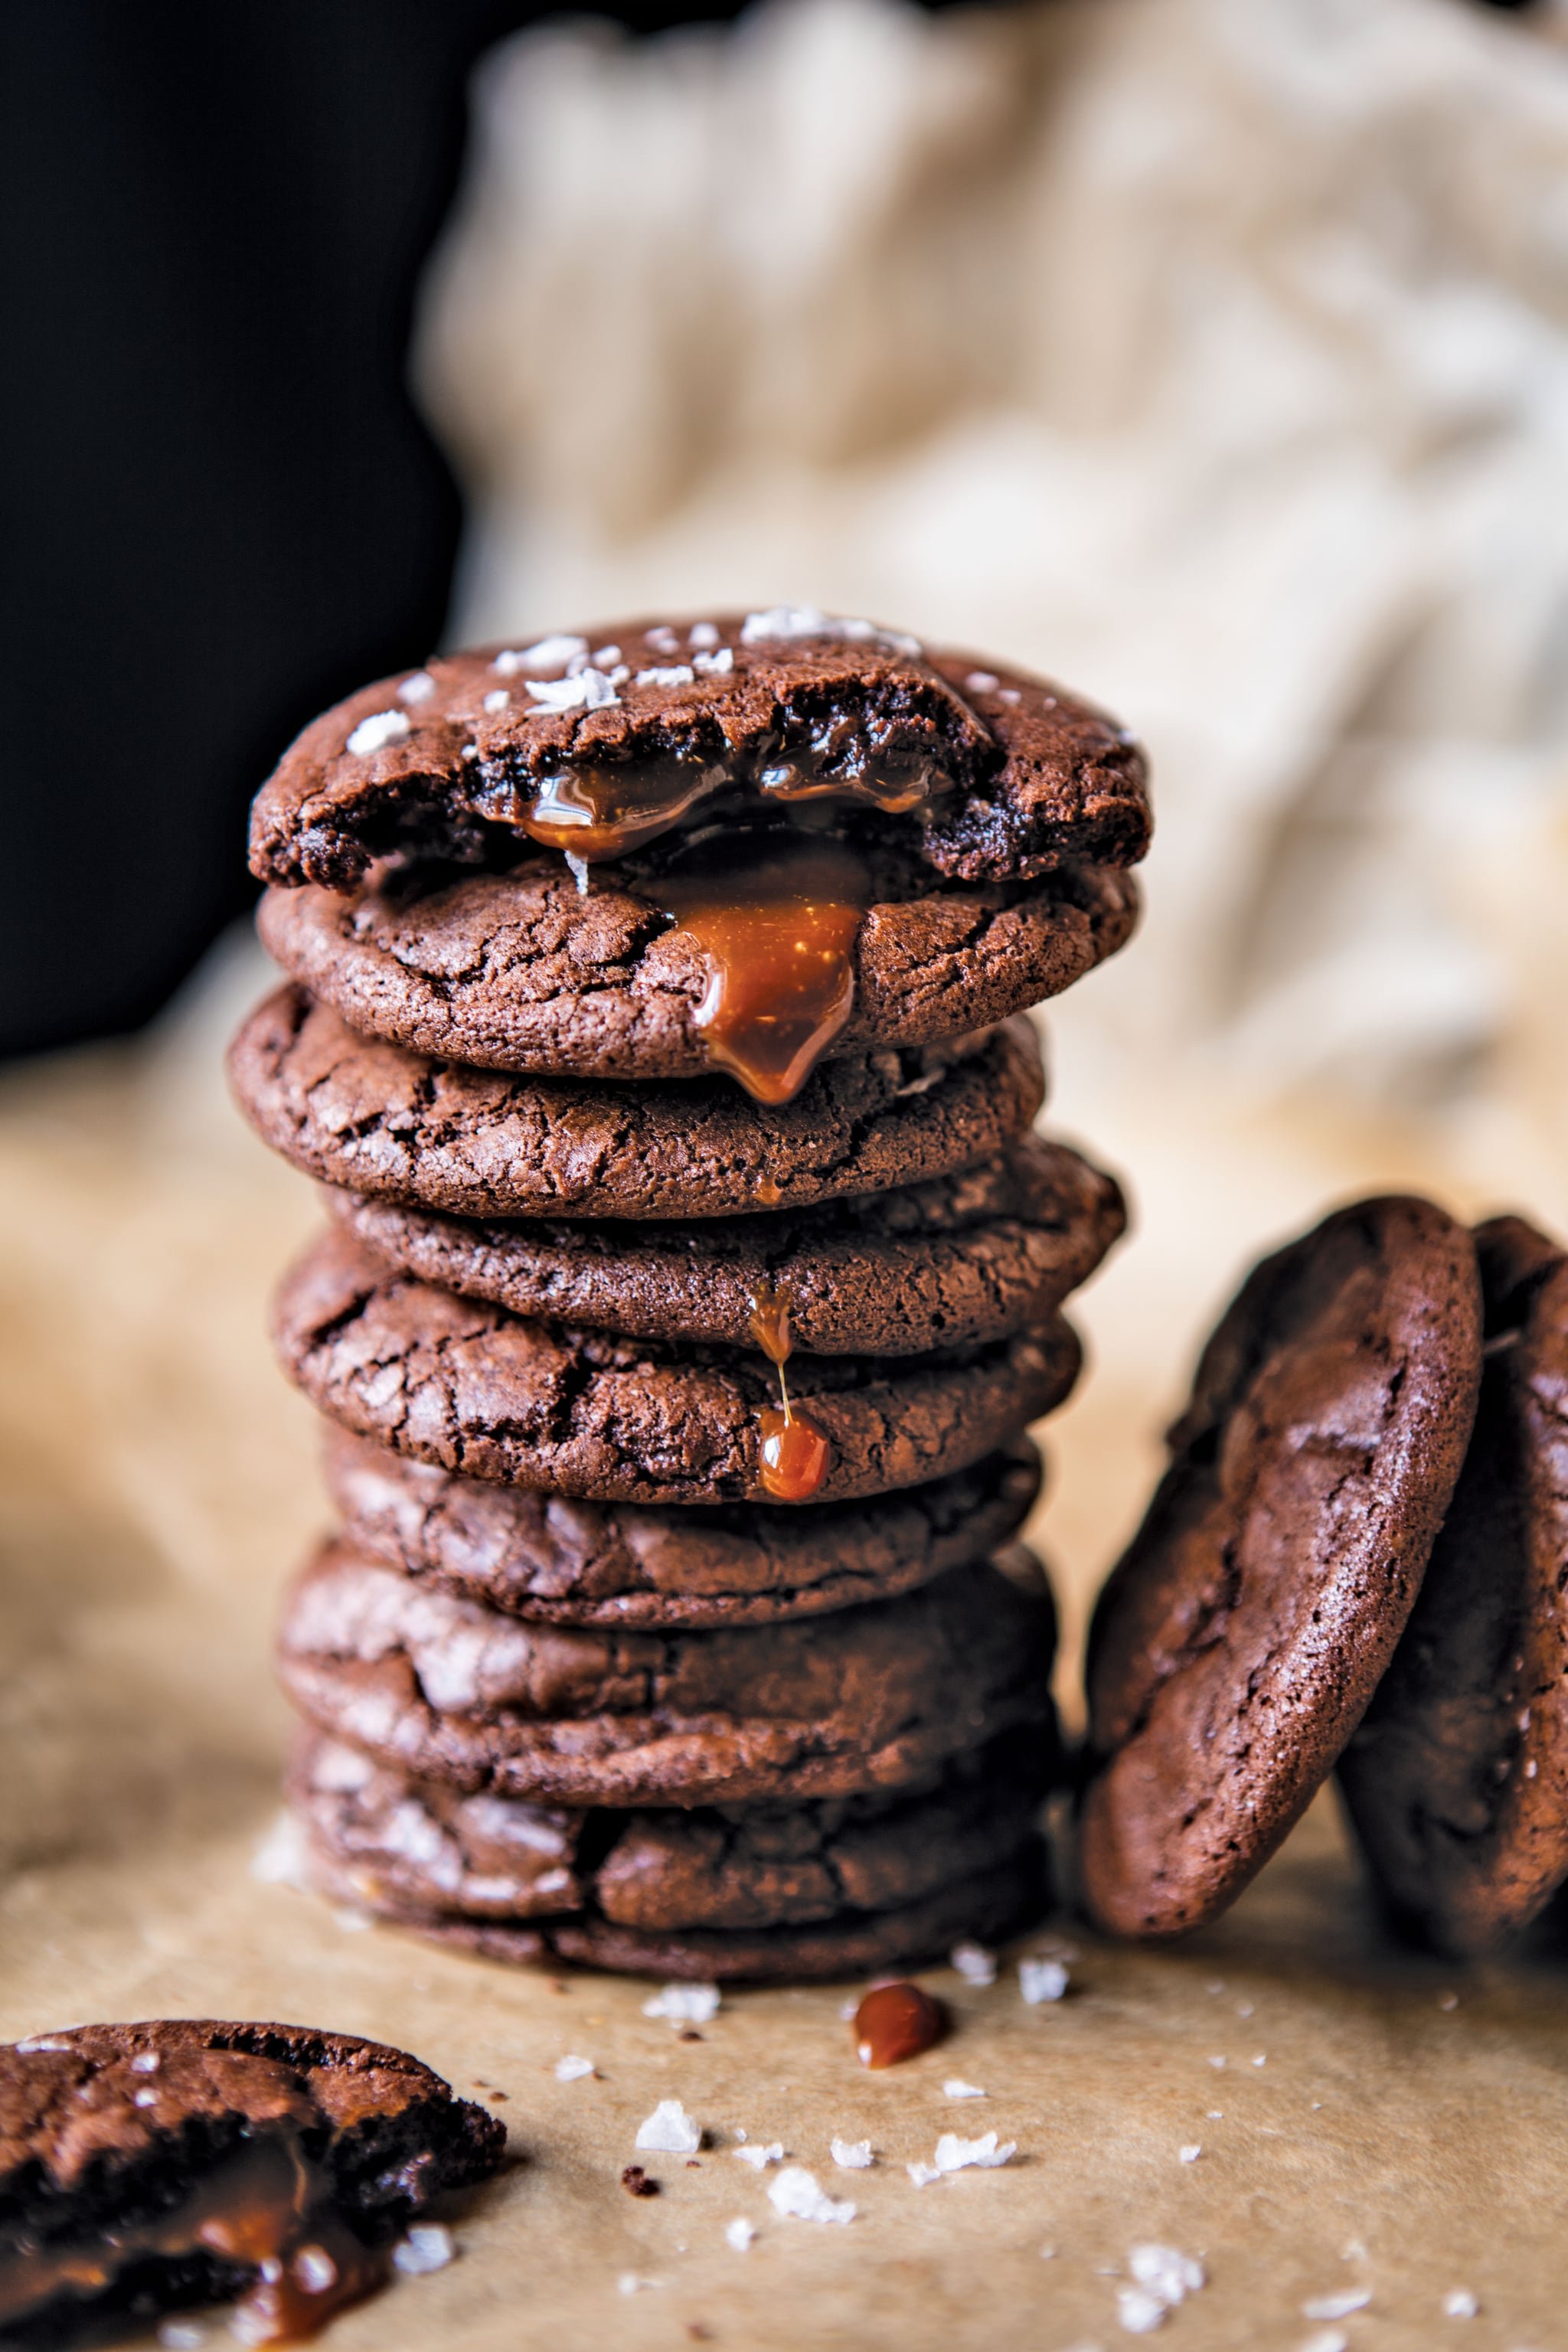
896,2021
265,2209
795,1451
776,914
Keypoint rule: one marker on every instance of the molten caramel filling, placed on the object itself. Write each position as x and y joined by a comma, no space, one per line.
266,2207
795,1451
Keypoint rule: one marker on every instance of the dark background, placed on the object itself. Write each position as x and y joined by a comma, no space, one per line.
221,511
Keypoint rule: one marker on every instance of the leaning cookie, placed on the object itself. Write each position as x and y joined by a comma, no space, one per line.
1239,1640
406,1846
465,1385
399,1126
605,741
521,971
958,1261
1456,1781
567,1562
147,2167
870,1699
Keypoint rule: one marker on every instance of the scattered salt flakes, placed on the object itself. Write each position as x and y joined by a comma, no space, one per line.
146,2061
1328,2339
1217,2115
1165,2272
498,700
1007,693
351,1921
759,2157
1041,1980
418,687
589,691
1262,2059
314,2269
550,653
806,620
974,1963
848,2011
1139,2314
1216,2062
374,733
425,2246
954,2155
922,2175
1215,1985
573,2070
1337,2306
42,2042
684,2004
606,658
701,633
662,638
796,2195
677,675
953,2088
1530,1770
630,2284
669,2130
1448,2001
851,2155
181,2334
469,751
719,665
738,2233
982,681
1243,2009
145,2099
1461,2305
1190,2153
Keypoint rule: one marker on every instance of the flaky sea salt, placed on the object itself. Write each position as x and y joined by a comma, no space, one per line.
669,2130
955,2155
1460,2303
374,733
922,2175
956,2088
786,621
677,674
590,690
181,2334
425,2246
738,2233
1337,2306
684,2004
1190,2153
719,665
851,2155
573,2070
1165,2272
701,633
796,2195
418,688
982,681
974,1963
1041,1980
498,700
1138,2313
758,2156
550,653
1328,2339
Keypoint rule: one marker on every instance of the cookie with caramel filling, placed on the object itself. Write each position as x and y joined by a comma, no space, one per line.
1456,1781
1237,1642
147,2167
400,1125
959,1260
870,1699
603,742
473,1388
566,1563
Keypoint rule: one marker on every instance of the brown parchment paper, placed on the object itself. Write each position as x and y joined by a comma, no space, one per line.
1366,2119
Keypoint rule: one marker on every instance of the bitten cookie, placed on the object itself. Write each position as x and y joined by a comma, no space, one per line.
467,1386
1239,1639
1457,1779
398,1125
566,1563
868,1699
958,1261
143,2168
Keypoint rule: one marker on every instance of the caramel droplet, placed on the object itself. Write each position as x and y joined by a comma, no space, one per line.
768,1192
894,2022
776,915
770,1323
794,1456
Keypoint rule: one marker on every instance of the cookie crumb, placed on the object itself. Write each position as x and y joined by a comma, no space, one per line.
636,2182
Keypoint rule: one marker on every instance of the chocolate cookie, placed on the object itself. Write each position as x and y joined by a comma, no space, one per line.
520,972
147,2167
396,1124
1457,1779
563,1562
411,1848
960,1260
1238,1640
987,1906
868,1699
470,1387
601,741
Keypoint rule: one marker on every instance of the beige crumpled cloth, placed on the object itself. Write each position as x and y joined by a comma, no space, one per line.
1212,354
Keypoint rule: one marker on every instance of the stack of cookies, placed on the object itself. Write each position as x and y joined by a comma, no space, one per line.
691,1278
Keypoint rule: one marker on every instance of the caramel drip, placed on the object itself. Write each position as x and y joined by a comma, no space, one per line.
896,2021
265,2209
795,1451
776,915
